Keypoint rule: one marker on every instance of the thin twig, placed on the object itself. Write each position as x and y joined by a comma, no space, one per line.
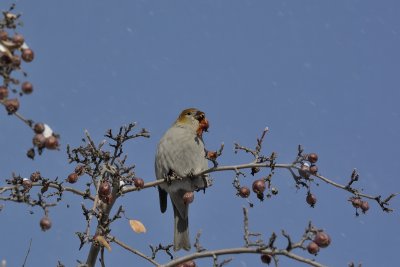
134,251
102,257
27,253
19,116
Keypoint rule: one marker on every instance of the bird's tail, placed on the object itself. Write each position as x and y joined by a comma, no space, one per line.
181,232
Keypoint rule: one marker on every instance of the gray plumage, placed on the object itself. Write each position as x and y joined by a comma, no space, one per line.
181,152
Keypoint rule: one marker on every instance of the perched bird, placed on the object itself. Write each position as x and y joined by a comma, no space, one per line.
181,154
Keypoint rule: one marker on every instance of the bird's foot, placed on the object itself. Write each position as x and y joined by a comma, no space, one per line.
171,176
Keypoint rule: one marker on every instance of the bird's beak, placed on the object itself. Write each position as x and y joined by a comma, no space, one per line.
203,123
199,116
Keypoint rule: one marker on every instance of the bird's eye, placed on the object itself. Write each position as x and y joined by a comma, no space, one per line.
189,113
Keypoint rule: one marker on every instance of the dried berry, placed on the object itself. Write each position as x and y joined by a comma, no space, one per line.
313,248
27,184
18,39
187,264
3,92
12,105
364,206
244,192
38,128
212,155
304,171
104,189
45,223
322,239
313,169
51,142
27,55
259,186
274,191
356,202
35,176
80,169
204,125
254,170
312,157
39,140
30,153
27,88
138,182
190,264
265,258
5,58
188,198
311,199
72,178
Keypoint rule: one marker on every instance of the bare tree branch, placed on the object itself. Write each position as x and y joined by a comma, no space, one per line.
211,253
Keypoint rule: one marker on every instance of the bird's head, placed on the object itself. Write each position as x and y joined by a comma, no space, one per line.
193,119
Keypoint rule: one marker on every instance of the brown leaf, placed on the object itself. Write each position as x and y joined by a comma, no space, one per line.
137,226
103,242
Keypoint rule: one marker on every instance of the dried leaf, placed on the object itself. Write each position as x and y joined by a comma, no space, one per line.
137,226
103,242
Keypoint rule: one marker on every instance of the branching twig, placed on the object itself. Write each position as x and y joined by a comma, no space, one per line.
241,250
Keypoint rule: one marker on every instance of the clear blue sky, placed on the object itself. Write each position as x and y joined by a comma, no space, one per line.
324,74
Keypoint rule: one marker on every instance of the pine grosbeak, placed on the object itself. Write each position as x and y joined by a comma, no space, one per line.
180,154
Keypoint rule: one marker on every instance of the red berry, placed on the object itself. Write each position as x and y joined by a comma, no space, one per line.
188,198
322,239
105,188
312,157
259,186
52,142
313,248
39,140
313,169
28,55
244,192
12,105
3,92
38,128
72,178
18,39
35,176
27,88
265,258
45,223
311,199
364,206
138,182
